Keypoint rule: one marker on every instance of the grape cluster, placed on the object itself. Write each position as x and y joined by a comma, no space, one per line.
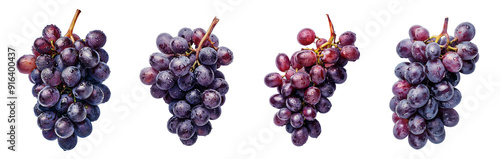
68,73
425,94
188,80
310,78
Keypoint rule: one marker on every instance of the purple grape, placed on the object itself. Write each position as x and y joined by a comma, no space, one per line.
42,46
67,143
191,141
314,128
299,136
417,125
148,75
71,75
337,74
48,96
452,62
69,56
287,89
187,34
93,112
88,57
300,80
306,58
159,61
193,97
318,74
79,44
435,71
454,101
64,102
77,112
279,122
165,80
82,90
442,91
306,36
96,39
418,96
418,33
401,69
401,129
435,127
163,43
35,76
453,78
224,56
198,34
204,130
186,82
63,43
51,32
465,31
211,98
401,88
312,95
432,51
282,62
436,139
294,104
404,48
215,113
182,109
278,101
417,141
449,116
404,110
173,123
96,97
186,130
44,61
415,73
347,38
157,92
103,55
204,75
324,105
208,56
394,102
200,115
297,120
49,134
330,55
220,85
64,127
46,120
83,128
309,112
468,67
430,109
179,45
176,93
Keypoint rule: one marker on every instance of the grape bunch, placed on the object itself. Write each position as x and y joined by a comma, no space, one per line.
426,93
310,77
68,73
188,80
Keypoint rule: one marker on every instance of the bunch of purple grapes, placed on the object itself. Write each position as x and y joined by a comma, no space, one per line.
188,80
310,78
68,73
425,94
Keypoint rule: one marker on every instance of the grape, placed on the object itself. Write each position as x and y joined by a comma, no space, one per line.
26,64
100,72
43,61
415,73
312,95
179,66
401,129
299,80
418,51
435,71
452,62
63,43
46,120
215,113
165,80
436,139
186,82
77,112
69,56
320,42
278,101
282,62
330,55
465,32
293,61
404,48
71,76
103,55
442,91
401,69
173,123
350,53
430,109
176,93
96,39
37,88
214,39
88,57
48,96
208,56
454,100
200,115
163,43
49,134
64,127
306,58
279,122
51,32
204,130
187,34
299,136
179,45
417,141
419,33
190,141
337,74
468,67
418,96
306,36
42,46
404,110
394,102
294,104
186,130
224,56
93,112
96,97
193,97
83,128
417,125
82,90
449,116
211,98
432,51
327,89
148,75
157,92
35,77
64,102
198,34
324,105
401,88
309,113
347,38
79,44
435,127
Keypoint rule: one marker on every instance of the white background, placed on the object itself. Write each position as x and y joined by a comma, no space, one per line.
133,124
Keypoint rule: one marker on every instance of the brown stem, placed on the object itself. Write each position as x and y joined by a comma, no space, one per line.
72,25
444,33
207,35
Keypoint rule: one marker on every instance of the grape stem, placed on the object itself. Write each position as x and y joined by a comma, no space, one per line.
207,35
330,41
72,25
444,33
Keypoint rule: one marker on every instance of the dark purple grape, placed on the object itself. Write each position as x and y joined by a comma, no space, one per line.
330,55
404,110
198,34
186,82
418,33
176,93
187,34
157,92
51,32
324,105
211,98
417,141
454,101
51,76
289,128
58,63
67,143
453,78
191,141
273,79
71,76
287,89
306,36
435,127
43,61
208,56
297,120
436,139
337,74
401,129
179,45
186,130
282,62
394,102
299,136
224,56
103,55
162,42
278,101
435,71
314,128
418,96
96,39
415,73
300,80
93,112
279,122
306,58
204,130
42,46
48,96
418,51
468,67
432,51
46,120
401,69
63,43
320,42
64,127
100,72
173,123
347,38
148,75
442,91
401,88
193,97
452,62
49,134
309,113
35,76
312,95
96,97
449,116
36,110
284,114
77,112
417,125
165,80
88,57
430,109
64,102
294,104
220,85
82,90
182,109
293,61
318,74
69,56
179,66
327,89
79,44
37,88
200,115
465,31
404,48
215,113
83,128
